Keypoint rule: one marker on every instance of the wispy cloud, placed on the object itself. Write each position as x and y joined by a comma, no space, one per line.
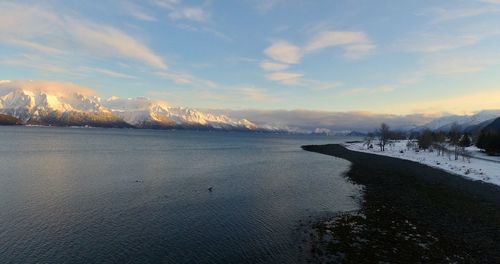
254,93
355,44
273,66
266,5
60,65
39,63
490,1
168,4
26,20
282,54
429,42
454,51
319,85
106,72
287,78
206,29
190,13
441,15
187,97
177,10
138,13
179,78
357,51
51,43
38,28
186,78
110,41
449,64
367,91
44,48
452,64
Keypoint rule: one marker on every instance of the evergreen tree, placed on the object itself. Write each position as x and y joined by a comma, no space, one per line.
425,139
465,141
490,142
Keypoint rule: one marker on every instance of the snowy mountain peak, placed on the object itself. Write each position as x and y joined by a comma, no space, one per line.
144,112
445,123
54,103
27,104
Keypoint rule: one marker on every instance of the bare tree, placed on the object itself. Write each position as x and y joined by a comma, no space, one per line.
439,139
454,135
385,134
464,142
409,145
368,141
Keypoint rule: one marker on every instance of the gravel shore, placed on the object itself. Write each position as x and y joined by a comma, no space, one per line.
411,213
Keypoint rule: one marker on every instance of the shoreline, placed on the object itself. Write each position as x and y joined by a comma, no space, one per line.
472,167
410,213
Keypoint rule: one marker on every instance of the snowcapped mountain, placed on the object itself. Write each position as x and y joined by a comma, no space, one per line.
36,106
147,113
45,104
464,121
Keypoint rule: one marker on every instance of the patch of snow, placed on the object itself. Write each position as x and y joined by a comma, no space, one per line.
478,153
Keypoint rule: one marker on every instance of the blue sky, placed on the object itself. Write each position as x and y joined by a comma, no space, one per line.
395,57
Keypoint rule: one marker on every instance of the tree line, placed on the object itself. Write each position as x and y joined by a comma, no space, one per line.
384,134
440,140
490,142
454,141
427,139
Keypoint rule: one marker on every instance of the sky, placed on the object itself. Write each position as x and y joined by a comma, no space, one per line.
392,57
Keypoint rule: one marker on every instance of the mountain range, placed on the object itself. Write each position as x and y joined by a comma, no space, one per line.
61,104
486,120
60,108
469,123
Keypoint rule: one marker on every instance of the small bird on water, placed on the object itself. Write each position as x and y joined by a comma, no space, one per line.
210,189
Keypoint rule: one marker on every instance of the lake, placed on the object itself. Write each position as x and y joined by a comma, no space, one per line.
74,195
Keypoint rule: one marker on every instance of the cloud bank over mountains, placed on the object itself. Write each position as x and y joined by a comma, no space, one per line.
309,120
59,103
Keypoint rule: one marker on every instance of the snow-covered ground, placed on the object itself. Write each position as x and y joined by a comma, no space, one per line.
480,167
476,152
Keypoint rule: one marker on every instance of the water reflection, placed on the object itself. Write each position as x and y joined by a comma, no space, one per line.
105,195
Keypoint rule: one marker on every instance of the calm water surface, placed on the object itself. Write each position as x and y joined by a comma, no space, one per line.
139,196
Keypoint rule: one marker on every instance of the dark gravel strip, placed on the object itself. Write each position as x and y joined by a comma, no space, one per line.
411,213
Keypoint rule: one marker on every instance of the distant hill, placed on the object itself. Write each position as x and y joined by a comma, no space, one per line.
489,139
468,123
7,120
493,127
476,129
